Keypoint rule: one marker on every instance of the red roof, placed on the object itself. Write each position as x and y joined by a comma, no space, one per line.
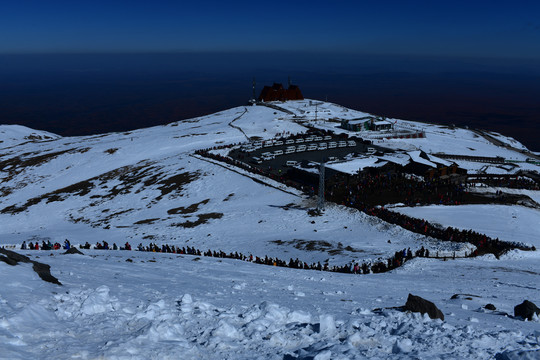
277,93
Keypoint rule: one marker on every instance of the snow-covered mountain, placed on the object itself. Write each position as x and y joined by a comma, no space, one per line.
147,186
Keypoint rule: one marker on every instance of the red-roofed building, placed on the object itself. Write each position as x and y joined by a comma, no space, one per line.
277,92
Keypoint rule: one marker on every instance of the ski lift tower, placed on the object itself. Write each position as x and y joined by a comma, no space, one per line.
316,103
320,203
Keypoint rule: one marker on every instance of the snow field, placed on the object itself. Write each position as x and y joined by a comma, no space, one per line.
161,306
233,310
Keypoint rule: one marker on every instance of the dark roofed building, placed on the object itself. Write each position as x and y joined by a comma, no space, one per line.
277,92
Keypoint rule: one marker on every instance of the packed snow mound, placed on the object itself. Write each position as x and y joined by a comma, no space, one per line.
225,309
194,329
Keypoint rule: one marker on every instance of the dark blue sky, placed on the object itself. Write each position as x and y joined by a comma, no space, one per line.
458,28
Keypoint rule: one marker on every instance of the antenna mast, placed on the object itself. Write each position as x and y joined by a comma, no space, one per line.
320,203
254,83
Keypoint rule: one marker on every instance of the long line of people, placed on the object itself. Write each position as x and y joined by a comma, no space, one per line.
45,245
378,266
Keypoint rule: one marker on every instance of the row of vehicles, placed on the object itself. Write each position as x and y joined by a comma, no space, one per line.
276,142
303,147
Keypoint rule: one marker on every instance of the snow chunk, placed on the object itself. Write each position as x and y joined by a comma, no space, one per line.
299,316
186,304
402,346
328,325
97,302
325,355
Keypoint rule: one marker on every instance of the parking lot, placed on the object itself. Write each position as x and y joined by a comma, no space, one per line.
280,155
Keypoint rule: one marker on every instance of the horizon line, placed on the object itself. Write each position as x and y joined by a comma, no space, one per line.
277,51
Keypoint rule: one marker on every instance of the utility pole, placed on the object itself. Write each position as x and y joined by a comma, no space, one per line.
320,203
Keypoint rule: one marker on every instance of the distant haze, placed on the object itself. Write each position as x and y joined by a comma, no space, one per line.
93,93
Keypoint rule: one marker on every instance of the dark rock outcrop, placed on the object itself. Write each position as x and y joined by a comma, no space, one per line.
73,250
8,260
423,306
490,307
526,310
43,270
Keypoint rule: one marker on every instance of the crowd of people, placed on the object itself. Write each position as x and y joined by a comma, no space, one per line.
513,183
367,191
378,266
45,245
395,187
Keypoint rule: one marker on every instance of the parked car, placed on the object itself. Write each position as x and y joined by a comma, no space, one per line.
290,150
267,156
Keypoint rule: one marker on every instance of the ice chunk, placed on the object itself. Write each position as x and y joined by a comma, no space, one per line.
402,346
328,325
299,316
97,302
325,355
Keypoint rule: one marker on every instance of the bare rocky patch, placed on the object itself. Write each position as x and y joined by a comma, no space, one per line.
16,165
229,197
187,210
131,179
318,245
146,221
175,183
202,219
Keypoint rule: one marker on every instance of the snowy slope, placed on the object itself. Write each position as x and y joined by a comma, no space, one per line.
11,135
146,186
